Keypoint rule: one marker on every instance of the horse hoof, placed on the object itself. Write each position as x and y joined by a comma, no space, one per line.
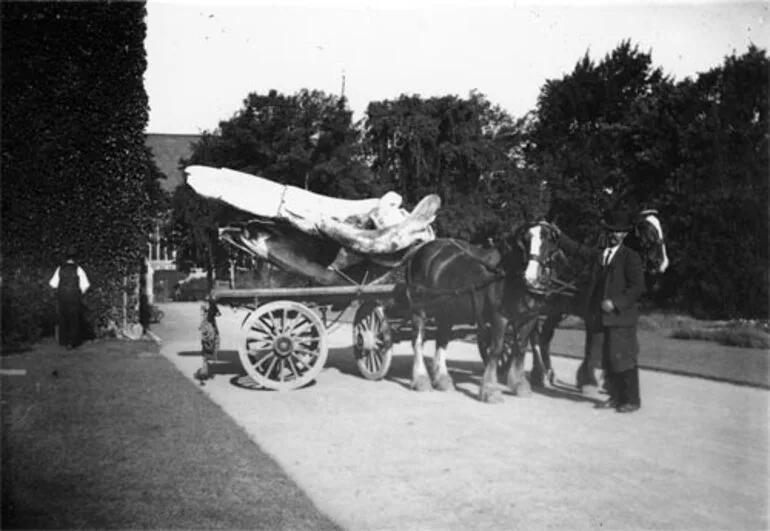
421,383
580,378
543,381
537,380
444,383
491,397
522,389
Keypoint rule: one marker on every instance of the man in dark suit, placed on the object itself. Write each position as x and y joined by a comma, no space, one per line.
611,310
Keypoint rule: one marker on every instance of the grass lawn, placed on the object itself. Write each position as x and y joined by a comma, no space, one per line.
704,359
754,334
113,436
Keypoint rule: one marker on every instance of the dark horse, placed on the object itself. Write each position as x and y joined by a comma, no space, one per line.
567,295
456,283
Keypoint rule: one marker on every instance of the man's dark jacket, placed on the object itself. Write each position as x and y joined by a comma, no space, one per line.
69,283
623,282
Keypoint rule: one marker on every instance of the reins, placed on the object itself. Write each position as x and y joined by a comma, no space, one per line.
475,258
553,285
560,287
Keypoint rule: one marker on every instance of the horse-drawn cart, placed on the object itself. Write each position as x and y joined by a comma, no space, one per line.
349,251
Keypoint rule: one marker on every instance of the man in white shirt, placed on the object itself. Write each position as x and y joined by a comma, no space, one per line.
70,282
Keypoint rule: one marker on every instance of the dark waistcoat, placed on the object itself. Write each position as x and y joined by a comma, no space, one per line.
69,283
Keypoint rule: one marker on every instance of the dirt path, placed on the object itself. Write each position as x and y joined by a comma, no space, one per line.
376,456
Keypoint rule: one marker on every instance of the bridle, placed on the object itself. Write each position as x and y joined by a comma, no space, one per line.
644,242
549,283
543,261
643,215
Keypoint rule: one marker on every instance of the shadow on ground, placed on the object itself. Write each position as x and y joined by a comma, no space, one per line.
466,375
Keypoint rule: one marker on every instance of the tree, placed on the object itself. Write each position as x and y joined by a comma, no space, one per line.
306,139
590,136
75,166
618,131
716,196
464,150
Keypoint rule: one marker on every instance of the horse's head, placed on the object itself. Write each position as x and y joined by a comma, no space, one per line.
647,239
538,245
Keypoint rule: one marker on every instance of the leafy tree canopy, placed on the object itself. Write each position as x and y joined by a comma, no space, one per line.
618,132
590,135
465,150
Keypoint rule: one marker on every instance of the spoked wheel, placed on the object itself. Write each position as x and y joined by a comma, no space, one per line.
283,345
372,341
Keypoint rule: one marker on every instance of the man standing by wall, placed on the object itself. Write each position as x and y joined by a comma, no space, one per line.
70,282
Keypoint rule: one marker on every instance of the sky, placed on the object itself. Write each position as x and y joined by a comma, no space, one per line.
204,58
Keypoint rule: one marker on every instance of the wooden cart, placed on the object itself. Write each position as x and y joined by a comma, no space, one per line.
283,341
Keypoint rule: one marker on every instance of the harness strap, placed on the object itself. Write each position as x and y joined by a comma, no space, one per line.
476,258
440,294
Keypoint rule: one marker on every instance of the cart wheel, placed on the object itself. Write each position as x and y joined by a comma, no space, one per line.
372,341
283,345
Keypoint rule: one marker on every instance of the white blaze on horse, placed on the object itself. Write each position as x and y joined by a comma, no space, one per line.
656,243
532,273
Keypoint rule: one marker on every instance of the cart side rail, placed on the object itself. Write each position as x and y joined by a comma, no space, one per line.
336,295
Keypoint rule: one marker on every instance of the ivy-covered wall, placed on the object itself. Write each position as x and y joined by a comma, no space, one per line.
75,167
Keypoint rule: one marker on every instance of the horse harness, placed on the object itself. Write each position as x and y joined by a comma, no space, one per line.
443,294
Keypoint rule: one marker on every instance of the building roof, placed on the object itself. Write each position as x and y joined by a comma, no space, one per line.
167,151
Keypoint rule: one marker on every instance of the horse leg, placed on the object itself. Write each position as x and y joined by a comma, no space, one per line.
588,374
441,378
531,331
517,379
489,391
482,340
420,378
589,380
506,356
546,336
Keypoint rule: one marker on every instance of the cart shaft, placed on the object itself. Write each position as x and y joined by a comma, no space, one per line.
316,293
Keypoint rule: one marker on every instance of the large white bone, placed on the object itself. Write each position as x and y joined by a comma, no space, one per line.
342,220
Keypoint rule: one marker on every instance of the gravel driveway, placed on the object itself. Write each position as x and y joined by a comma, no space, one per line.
377,456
